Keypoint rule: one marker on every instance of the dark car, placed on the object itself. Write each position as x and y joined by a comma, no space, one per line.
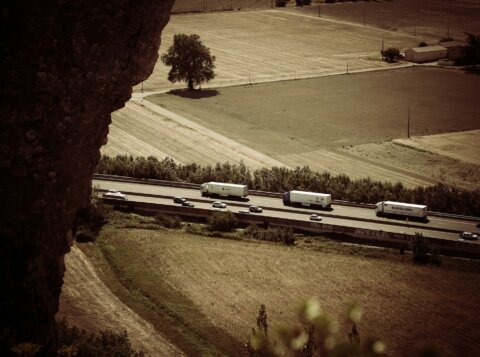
187,204
179,200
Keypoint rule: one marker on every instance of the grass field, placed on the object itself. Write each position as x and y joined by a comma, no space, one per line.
204,293
315,122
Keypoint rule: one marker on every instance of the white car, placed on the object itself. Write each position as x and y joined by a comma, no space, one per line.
244,211
115,194
219,205
315,217
468,235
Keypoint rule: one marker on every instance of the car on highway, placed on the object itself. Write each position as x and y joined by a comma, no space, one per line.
255,209
468,235
187,204
217,204
244,211
315,217
179,200
115,194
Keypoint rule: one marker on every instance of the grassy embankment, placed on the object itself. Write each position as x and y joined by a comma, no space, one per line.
204,293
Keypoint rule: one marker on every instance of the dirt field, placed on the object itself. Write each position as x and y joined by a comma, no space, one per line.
305,122
87,303
404,304
428,18
273,50
451,158
182,6
244,56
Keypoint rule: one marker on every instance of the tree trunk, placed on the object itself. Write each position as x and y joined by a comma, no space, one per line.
190,83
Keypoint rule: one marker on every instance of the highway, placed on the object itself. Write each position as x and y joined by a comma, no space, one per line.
348,216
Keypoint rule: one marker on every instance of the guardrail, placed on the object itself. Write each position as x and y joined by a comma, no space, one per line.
261,193
363,235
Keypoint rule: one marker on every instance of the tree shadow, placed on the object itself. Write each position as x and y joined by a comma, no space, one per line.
195,94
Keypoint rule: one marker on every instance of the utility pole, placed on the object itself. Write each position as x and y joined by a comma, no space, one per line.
347,66
142,87
408,123
364,18
319,10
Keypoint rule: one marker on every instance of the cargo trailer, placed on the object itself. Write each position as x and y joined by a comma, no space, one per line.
390,208
212,189
307,199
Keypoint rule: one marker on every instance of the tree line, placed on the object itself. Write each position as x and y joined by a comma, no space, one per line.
439,197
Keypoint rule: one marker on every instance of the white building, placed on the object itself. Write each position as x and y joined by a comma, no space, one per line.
425,54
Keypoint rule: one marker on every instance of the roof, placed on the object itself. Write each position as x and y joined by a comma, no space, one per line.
428,49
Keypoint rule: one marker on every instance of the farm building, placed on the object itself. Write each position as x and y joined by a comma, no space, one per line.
425,54
455,49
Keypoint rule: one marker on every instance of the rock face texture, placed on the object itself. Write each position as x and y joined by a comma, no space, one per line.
65,65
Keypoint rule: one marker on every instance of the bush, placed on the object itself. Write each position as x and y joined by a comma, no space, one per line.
222,221
391,54
280,3
168,221
440,197
90,220
422,44
271,234
80,343
420,249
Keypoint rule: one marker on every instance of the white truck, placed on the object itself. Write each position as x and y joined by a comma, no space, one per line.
223,189
390,208
308,199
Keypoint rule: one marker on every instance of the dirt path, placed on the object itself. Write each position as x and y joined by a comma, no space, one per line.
143,128
87,303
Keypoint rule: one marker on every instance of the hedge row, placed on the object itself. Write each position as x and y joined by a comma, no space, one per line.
439,197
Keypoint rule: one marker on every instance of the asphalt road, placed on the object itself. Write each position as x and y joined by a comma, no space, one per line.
437,227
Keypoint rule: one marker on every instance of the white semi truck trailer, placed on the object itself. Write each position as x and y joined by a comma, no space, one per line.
308,199
386,208
223,189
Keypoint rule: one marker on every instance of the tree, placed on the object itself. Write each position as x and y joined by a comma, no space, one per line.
391,54
472,50
190,60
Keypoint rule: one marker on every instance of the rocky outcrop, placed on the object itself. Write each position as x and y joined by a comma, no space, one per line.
64,67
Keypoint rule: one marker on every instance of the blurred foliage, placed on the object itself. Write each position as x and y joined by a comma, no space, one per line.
315,333
440,197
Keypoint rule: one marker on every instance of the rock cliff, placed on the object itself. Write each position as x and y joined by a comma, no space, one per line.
65,65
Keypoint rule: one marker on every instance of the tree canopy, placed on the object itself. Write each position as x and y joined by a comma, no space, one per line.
391,54
472,50
190,60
